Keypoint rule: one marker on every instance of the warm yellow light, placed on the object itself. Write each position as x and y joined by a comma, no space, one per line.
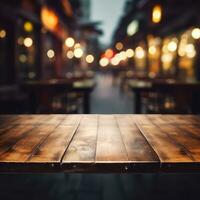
70,54
2,33
77,45
122,55
28,42
152,50
78,53
89,58
115,61
104,62
166,58
156,14
49,18
164,48
181,52
139,52
119,46
196,33
190,50
50,53
172,46
22,58
28,26
129,53
191,54
69,42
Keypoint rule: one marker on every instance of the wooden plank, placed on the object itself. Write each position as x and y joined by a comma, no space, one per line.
181,119
83,146
110,147
7,118
12,136
137,147
193,129
165,147
141,119
29,119
158,119
23,148
54,147
190,141
71,119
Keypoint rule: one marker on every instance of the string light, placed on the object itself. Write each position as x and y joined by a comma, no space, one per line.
69,42
70,54
119,46
28,42
89,58
172,46
28,26
50,53
156,14
49,18
152,50
77,45
2,33
109,53
139,52
104,62
196,33
115,61
78,53
129,53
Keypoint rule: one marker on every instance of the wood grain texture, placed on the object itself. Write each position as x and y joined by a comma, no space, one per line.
99,143
165,147
23,149
137,147
110,147
54,147
83,146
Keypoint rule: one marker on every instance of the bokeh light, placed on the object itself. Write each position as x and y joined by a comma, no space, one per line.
78,53
28,42
89,58
50,53
104,62
69,42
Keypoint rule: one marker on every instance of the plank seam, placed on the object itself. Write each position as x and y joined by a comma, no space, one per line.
72,137
188,153
24,134
143,135
37,146
121,137
96,139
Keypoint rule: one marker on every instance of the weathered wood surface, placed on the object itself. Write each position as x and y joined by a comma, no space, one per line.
99,143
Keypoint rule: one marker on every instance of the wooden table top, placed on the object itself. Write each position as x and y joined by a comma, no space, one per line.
99,143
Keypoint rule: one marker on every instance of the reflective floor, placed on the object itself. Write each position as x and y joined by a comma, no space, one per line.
109,98
100,187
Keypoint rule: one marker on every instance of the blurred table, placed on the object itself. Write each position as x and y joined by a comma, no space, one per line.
48,88
99,143
185,89
12,100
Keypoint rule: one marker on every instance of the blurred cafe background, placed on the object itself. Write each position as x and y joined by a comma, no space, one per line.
58,56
